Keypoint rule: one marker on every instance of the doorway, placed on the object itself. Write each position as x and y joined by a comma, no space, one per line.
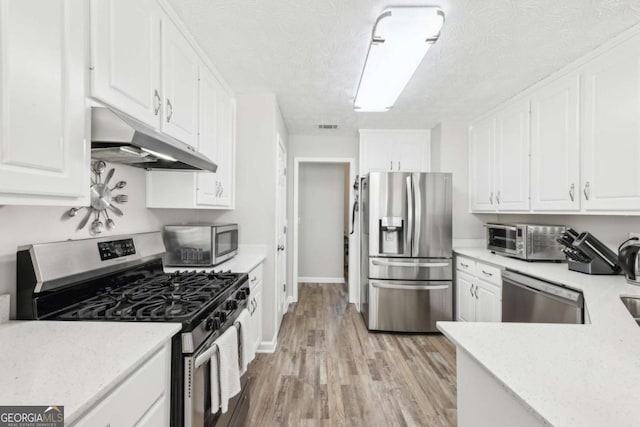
324,244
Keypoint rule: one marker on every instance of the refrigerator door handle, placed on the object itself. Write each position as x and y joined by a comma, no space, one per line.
410,213
402,287
409,264
417,214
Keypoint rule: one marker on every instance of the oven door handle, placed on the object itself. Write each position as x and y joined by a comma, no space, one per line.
201,359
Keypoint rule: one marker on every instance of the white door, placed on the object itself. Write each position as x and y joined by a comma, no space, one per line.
125,57
611,172
281,231
208,186
466,307
488,303
43,151
481,172
555,152
226,142
512,158
180,65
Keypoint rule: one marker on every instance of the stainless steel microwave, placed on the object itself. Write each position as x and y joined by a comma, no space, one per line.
201,245
526,241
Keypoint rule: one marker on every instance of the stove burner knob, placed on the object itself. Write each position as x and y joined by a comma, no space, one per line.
221,316
231,305
241,295
210,324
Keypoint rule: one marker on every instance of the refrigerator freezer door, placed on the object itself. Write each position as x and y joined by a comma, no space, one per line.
432,228
405,306
390,214
411,269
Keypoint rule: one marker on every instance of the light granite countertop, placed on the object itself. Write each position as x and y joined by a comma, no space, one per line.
241,263
74,364
567,375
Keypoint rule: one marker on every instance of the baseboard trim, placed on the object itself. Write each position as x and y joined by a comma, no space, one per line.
267,346
321,280
291,300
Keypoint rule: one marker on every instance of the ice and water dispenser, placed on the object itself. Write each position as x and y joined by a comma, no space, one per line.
392,235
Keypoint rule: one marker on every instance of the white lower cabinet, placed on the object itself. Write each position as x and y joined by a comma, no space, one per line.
478,292
142,399
255,304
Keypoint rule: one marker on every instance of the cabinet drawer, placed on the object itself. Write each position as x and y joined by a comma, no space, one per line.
255,276
488,273
131,400
465,264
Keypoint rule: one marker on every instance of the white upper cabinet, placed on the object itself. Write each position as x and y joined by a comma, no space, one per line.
512,158
125,57
555,146
44,158
395,150
216,141
611,130
481,166
180,67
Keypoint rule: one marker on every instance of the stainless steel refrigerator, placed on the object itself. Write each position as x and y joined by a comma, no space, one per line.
406,259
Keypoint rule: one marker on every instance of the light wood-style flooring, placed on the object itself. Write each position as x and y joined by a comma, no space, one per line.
328,370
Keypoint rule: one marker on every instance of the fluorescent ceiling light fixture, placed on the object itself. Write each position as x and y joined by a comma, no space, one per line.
401,37
159,155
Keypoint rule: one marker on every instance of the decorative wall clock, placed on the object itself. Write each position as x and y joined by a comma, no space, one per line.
102,200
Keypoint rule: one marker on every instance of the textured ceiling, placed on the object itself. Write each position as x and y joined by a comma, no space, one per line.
311,52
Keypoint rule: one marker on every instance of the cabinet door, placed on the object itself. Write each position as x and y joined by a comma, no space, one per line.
125,57
512,158
180,65
208,186
488,303
226,143
412,152
611,172
257,315
43,148
481,166
555,154
466,302
378,154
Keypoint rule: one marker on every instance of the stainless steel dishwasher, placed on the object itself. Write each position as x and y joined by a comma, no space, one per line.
530,300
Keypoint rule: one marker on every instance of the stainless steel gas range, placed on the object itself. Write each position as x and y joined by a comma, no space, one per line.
122,279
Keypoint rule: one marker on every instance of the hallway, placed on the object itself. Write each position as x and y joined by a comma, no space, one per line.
329,370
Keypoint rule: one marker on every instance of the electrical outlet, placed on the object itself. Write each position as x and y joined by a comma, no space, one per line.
634,235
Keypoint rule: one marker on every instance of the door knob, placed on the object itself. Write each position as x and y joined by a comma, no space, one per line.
281,247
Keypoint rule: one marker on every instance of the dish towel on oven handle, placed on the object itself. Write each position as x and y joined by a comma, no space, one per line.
225,377
246,340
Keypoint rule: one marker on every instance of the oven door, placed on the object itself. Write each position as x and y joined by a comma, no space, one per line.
197,393
225,243
502,238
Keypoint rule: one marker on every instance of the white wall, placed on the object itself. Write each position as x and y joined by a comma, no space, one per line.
322,219
21,225
330,144
258,121
450,153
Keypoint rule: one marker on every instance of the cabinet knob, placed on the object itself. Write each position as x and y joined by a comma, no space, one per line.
398,164
169,110
491,198
587,190
390,165
498,198
157,102
572,192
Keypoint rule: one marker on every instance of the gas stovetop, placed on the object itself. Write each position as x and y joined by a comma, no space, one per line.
174,297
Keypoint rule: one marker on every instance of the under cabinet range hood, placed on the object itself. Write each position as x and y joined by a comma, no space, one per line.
119,138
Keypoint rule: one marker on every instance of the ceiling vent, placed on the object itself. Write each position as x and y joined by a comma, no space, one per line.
327,126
